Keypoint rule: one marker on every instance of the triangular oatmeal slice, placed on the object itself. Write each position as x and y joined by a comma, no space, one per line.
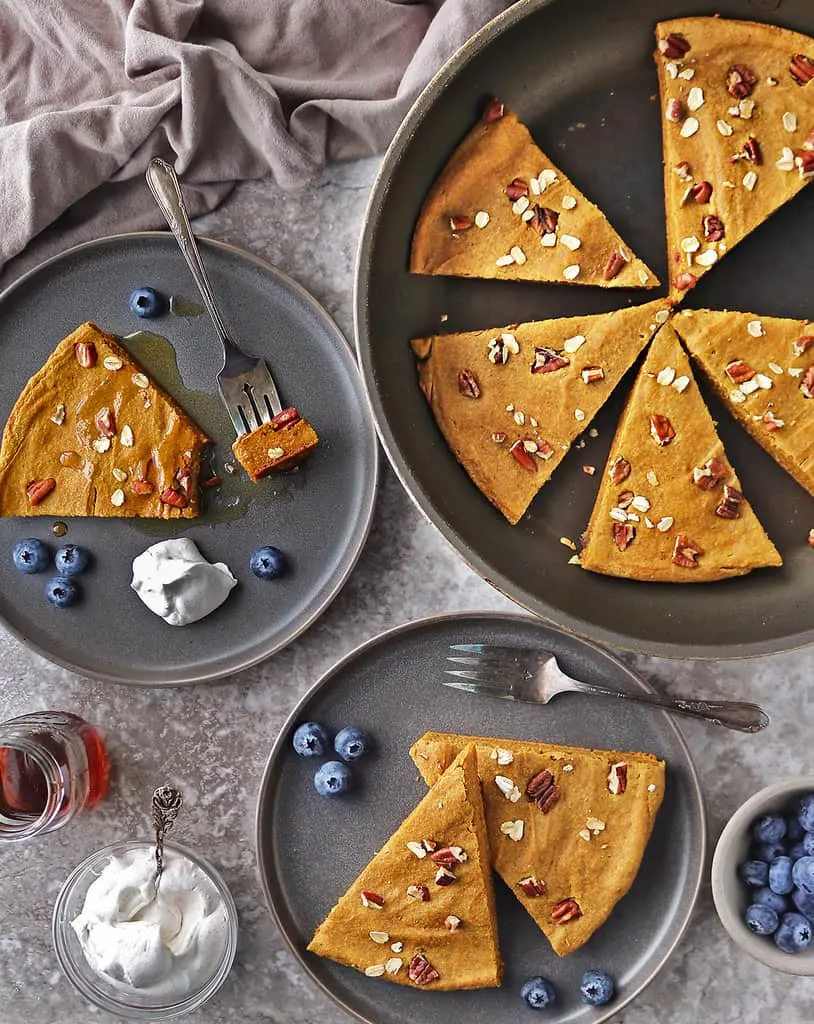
502,209
670,506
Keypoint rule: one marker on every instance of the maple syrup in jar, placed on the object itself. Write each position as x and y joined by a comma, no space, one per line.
53,764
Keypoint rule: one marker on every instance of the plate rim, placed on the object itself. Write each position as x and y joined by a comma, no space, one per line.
280,745
362,526
536,606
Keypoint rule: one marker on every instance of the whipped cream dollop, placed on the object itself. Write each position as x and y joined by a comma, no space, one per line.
169,944
176,582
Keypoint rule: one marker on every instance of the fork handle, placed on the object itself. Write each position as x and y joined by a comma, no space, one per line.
734,714
163,183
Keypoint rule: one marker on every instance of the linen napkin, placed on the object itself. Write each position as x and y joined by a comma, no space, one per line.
226,90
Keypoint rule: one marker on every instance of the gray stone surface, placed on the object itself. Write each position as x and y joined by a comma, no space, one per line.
212,741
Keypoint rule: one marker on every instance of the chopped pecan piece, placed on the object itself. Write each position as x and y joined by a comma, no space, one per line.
685,281
713,228
740,81
751,151
516,188
738,371
285,418
85,353
419,893
566,910
448,856
106,422
771,421
805,161
618,470
661,429
499,436
460,222
592,374
452,923
524,458
170,496
616,261
728,507
807,383
38,490
141,487
701,192
624,499
467,384
674,111
673,46
544,220
617,778
546,360
710,474
421,971
443,876
532,886
803,344
623,535
371,899
542,790
686,552
493,111
801,68
184,478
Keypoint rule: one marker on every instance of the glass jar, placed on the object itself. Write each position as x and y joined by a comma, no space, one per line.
52,765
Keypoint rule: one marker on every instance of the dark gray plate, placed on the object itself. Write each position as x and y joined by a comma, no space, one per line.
318,514
310,849
581,75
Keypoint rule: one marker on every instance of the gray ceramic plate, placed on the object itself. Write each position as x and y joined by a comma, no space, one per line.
318,514
584,81
310,849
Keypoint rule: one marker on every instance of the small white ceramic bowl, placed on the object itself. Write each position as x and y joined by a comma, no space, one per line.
123,1001
731,896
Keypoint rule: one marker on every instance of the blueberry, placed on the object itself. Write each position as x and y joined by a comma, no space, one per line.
796,851
311,740
31,555
794,933
351,743
538,993
62,591
333,779
770,899
147,302
805,815
804,901
803,873
769,829
596,988
794,830
780,875
761,920
71,560
754,872
267,563
769,851
807,843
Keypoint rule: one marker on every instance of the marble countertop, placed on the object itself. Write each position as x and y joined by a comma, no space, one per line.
213,741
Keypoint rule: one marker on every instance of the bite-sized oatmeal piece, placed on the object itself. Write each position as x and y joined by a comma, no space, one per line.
280,444
500,208
694,525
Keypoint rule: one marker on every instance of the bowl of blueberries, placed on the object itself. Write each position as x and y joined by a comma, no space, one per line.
763,876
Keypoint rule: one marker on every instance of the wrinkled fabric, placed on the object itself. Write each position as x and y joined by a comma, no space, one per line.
227,90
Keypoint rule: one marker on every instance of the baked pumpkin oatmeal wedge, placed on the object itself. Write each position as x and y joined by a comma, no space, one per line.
92,435
737,100
670,506
762,367
511,402
500,208
567,826
422,912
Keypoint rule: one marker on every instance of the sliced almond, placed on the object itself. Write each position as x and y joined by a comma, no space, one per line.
126,436
117,497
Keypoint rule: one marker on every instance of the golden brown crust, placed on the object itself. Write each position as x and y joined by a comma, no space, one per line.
666,502
715,338
451,814
595,871
541,408
475,180
272,447
52,430
717,45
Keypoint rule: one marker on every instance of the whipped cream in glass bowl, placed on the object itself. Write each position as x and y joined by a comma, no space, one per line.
137,952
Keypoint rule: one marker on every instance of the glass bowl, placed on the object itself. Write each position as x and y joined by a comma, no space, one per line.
118,997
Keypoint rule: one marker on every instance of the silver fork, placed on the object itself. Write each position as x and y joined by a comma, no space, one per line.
532,675
245,382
